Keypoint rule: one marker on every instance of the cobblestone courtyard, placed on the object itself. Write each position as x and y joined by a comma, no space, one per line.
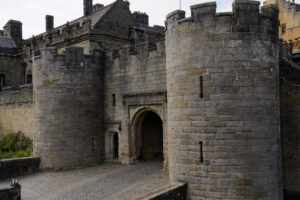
107,181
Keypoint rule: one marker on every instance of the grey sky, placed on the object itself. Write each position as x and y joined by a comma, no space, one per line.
32,12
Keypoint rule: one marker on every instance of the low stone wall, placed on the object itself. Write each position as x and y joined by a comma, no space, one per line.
11,168
176,191
10,193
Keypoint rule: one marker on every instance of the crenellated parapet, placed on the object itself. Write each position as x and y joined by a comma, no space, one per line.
141,52
10,96
245,17
61,34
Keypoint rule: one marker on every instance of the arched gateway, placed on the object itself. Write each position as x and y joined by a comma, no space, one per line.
146,136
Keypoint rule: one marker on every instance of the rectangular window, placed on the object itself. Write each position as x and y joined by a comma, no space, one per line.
201,87
201,151
29,79
283,29
113,100
2,81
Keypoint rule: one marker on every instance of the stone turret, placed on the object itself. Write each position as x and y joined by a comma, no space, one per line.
222,81
68,106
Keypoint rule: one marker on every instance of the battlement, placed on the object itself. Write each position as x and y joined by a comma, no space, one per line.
73,58
64,33
11,96
143,49
245,17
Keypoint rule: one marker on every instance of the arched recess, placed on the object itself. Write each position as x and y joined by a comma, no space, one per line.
146,139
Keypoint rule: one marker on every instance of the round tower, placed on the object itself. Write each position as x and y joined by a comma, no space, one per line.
222,83
68,108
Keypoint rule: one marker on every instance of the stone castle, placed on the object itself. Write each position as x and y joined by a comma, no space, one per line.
216,95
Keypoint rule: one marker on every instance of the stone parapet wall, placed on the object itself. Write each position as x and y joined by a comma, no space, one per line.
176,191
11,96
16,110
223,101
13,168
10,193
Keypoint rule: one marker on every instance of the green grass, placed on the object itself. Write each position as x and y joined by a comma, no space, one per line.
15,145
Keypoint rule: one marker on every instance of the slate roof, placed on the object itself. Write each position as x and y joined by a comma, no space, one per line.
95,18
6,42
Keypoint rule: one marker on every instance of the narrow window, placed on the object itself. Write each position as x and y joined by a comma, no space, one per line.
113,100
93,144
29,79
116,145
201,87
283,29
2,81
201,151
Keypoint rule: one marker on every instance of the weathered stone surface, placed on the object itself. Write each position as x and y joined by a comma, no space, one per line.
12,168
226,144
68,118
10,193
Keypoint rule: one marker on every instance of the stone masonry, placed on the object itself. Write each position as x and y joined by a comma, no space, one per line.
222,88
226,120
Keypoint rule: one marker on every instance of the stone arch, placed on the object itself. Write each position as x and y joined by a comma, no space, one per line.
136,130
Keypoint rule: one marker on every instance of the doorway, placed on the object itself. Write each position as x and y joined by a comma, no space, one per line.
151,137
116,146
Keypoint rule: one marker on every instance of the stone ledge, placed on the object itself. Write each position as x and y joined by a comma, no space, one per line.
176,191
10,192
11,168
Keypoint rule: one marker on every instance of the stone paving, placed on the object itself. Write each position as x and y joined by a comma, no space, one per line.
107,181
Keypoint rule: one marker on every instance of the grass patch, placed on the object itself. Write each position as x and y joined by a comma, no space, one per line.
15,145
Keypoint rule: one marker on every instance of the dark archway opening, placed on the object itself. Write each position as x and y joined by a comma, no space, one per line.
116,145
151,137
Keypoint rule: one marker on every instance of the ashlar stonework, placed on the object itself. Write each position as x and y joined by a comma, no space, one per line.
210,94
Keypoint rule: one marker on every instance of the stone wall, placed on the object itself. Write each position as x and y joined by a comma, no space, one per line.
68,108
176,191
16,110
290,134
137,78
10,193
12,168
13,70
222,83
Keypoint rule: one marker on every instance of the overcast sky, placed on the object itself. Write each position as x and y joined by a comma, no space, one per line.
32,12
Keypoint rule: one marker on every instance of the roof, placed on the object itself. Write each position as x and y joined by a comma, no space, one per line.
6,42
94,17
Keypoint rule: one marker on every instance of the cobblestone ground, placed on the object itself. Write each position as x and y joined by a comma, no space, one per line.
107,181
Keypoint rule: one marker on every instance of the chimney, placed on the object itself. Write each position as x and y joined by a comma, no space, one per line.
49,23
97,7
88,7
13,30
141,18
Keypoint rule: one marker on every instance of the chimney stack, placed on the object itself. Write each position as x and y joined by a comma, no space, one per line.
88,7
13,30
49,23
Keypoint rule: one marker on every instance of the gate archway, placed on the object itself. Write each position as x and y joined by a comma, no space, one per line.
147,135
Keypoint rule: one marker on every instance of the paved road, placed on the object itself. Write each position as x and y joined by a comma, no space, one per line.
107,181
